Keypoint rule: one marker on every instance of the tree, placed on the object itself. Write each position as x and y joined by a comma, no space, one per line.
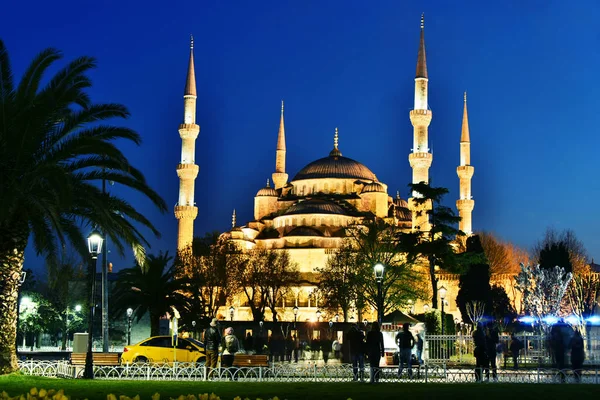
543,290
262,277
37,315
474,285
475,310
582,297
503,257
562,249
435,245
375,241
338,280
54,149
153,290
502,308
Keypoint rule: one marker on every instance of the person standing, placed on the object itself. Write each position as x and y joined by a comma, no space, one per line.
491,343
420,343
375,350
577,354
405,341
248,343
515,348
356,340
295,348
212,339
479,353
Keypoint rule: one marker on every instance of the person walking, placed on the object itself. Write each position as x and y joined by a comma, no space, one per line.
577,354
375,350
479,353
515,348
405,341
212,339
356,340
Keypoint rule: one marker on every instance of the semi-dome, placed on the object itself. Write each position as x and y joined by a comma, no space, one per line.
267,191
373,187
335,166
314,206
304,231
402,211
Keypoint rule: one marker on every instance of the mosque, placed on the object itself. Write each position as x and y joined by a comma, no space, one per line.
306,215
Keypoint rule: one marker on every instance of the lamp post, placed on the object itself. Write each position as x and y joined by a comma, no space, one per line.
66,339
194,329
129,314
442,292
365,322
379,269
95,247
295,309
337,317
231,311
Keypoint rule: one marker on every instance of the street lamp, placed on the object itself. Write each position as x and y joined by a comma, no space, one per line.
378,269
365,322
194,329
129,314
425,308
95,247
443,292
231,311
318,315
295,309
337,317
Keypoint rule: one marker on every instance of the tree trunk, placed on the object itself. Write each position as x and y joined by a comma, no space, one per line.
64,331
154,324
434,301
12,255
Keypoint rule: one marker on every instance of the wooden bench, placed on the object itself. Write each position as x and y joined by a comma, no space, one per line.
110,359
251,360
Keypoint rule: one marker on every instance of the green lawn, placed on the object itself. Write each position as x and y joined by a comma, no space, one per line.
98,389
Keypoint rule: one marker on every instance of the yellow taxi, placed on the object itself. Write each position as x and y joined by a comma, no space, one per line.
159,349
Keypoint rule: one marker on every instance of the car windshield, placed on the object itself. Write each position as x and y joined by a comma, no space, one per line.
196,342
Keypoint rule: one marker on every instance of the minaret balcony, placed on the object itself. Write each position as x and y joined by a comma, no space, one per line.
465,171
189,131
465,205
420,117
187,171
420,160
186,212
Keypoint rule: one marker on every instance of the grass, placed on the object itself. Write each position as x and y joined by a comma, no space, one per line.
17,384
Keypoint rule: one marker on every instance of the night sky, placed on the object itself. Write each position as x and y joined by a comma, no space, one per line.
530,69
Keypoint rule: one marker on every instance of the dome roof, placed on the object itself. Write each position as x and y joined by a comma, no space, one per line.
335,166
314,206
402,211
373,187
305,231
267,191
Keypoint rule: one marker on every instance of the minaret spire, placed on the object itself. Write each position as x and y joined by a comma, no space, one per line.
279,176
420,117
335,152
233,220
465,171
187,170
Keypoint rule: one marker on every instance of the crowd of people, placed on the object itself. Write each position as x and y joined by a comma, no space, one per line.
369,346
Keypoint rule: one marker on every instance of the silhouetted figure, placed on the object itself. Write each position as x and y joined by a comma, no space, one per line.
481,361
515,348
491,342
212,340
295,348
420,343
577,354
558,347
356,344
405,341
248,342
375,350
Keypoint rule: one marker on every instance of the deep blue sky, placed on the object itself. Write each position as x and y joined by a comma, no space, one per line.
530,69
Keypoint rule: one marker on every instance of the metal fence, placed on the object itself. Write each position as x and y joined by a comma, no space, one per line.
459,349
430,373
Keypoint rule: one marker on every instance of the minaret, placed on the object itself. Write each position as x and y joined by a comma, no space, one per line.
187,170
233,219
420,159
465,203
279,176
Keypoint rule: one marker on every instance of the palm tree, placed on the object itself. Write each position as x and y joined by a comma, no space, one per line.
153,290
54,149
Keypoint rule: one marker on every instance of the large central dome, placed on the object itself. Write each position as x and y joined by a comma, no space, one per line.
335,167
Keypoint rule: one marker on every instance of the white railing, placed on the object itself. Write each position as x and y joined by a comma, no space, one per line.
438,373
459,349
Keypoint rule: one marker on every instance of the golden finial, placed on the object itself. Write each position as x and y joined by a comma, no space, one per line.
423,21
281,107
335,139
465,97
191,42
268,183
233,219
398,194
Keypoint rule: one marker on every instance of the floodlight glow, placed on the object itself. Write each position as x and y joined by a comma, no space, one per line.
572,319
78,307
550,319
594,319
528,319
